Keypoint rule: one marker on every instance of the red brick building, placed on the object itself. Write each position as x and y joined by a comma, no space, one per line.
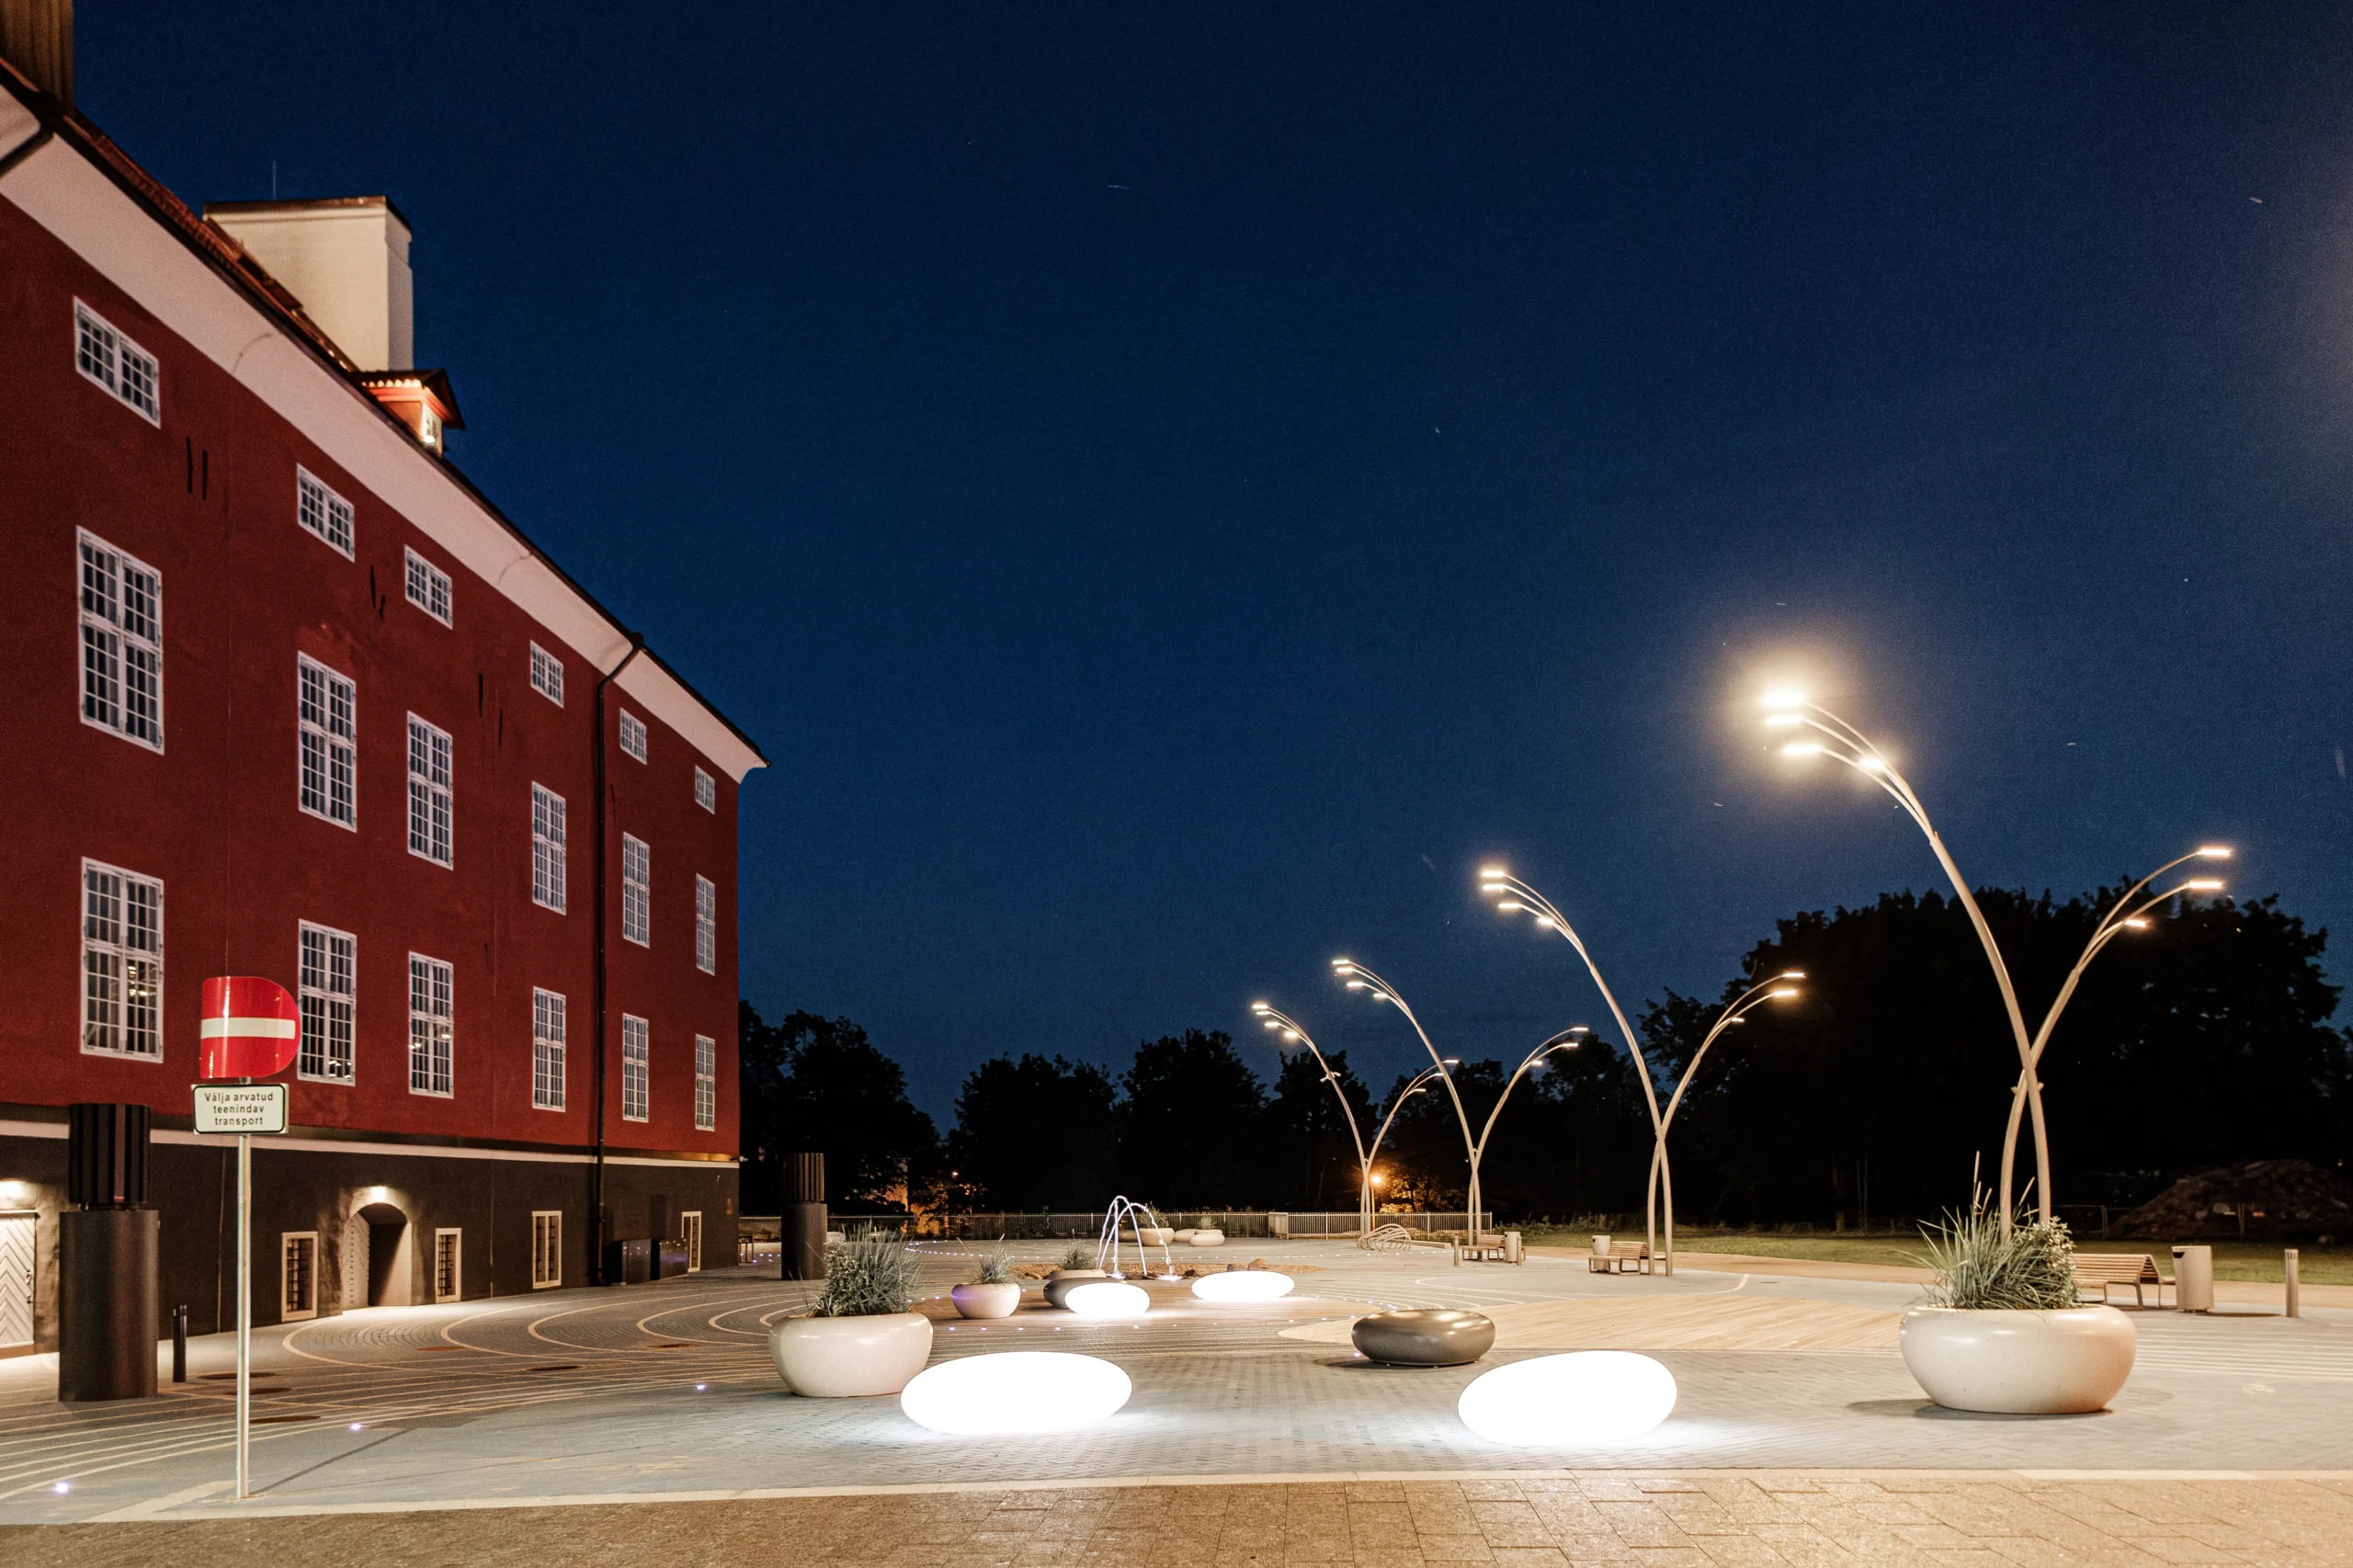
288,696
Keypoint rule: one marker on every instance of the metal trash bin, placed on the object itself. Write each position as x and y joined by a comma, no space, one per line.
1513,1252
2193,1278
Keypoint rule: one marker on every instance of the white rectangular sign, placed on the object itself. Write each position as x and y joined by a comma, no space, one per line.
240,1107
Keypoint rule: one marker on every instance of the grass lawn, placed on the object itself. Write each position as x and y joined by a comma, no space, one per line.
2257,1261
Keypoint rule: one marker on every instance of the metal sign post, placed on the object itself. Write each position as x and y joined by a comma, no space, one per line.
251,1028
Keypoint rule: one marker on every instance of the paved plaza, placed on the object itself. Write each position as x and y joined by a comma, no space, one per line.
564,1404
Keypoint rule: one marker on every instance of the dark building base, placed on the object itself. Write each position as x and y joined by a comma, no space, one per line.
338,1226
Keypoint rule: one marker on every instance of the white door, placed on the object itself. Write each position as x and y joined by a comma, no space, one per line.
691,1226
355,1263
16,1279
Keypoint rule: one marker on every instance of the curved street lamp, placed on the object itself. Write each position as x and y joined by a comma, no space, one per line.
1420,1081
2122,917
1773,990
1567,1040
1515,896
1843,743
1358,978
1290,1031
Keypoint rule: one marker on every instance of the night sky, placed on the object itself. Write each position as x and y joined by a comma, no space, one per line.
1172,491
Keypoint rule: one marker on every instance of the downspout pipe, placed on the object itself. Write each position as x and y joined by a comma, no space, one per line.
603,991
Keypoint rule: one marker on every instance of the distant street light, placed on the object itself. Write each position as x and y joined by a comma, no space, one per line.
2124,916
1842,742
1358,978
1777,989
1515,896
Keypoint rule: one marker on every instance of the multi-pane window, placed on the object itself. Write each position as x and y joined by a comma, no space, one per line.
706,1082
546,849
322,511
327,715
122,962
706,791
298,1274
122,643
429,1026
637,892
428,587
632,735
447,1255
547,1050
328,966
547,1248
547,675
428,791
115,362
636,1059
705,926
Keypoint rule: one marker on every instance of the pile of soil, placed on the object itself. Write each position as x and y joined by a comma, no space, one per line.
2263,1198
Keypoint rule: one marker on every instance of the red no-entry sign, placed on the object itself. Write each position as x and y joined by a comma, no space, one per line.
252,1027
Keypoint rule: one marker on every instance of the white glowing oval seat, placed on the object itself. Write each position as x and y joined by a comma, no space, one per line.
1108,1299
1243,1285
1014,1392
1586,1396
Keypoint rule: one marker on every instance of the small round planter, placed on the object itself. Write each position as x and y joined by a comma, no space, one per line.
1065,1281
995,1301
1157,1235
2019,1363
848,1358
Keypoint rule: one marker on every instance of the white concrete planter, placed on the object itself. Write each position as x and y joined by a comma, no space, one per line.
2019,1363
1206,1238
845,1357
995,1301
1065,1281
1157,1235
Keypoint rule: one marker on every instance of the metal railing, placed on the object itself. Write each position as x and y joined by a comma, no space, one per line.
1239,1224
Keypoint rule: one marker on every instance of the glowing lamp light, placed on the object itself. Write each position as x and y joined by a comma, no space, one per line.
2205,884
1785,696
1014,1392
1241,1285
2215,851
1802,748
1109,1300
1560,1402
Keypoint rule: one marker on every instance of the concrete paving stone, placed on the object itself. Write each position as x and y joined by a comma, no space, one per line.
1511,1523
1455,1548
1805,1546
2181,1549
1527,1557
1739,1552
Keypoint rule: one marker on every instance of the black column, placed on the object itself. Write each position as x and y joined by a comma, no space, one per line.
802,1235
108,1300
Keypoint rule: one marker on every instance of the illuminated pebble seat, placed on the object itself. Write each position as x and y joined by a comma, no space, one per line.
1014,1392
1577,1399
1243,1285
1108,1299
1428,1337
1065,1281
1206,1238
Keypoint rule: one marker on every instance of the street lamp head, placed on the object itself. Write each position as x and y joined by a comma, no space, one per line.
2215,851
1260,1008
1509,905
1291,1034
1783,721
1270,1023
2138,922
1493,873
1356,985
2204,884
1784,697
1451,1061
1870,761
1793,975
1802,748
1785,992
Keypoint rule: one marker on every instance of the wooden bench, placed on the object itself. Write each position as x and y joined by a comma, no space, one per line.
1620,1258
2104,1269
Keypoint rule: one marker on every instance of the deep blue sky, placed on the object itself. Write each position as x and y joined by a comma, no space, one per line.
1172,490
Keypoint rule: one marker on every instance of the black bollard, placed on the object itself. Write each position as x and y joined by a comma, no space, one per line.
180,1345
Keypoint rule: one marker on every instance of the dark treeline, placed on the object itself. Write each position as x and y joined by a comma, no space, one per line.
2201,1041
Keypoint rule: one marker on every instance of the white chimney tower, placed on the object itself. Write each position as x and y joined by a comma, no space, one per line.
346,260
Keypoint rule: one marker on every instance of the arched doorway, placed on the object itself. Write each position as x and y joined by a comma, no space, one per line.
378,1258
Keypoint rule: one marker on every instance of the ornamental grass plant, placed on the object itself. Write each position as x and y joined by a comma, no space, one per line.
997,1268
1981,1264
868,1275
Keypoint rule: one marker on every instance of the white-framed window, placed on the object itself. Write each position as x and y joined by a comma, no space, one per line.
637,1055
632,735
428,587
428,791
429,1026
546,849
547,675
706,791
690,1231
327,974
448,1255
122,643
122,962
547,1248
706,1084
705,926
115,362
298,1274
637,892
326,712
547,1050
323,511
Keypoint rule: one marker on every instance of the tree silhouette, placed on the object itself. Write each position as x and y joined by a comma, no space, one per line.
813,1083
1191,1133
1310,1157
1036,1135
